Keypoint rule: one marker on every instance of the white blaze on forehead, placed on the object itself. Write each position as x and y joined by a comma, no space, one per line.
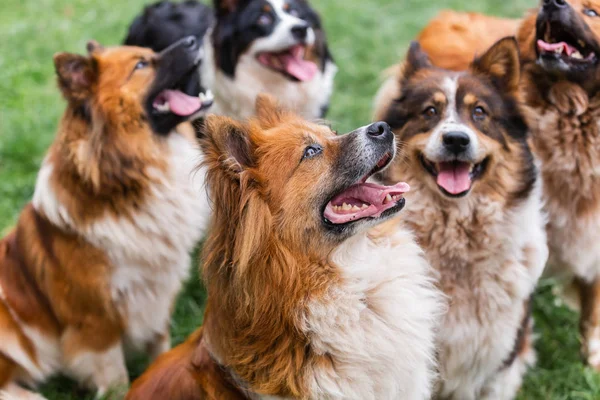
450,122
281,38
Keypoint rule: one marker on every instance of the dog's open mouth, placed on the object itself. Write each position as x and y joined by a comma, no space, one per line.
179,103
291,63
455,178
365,200
556,41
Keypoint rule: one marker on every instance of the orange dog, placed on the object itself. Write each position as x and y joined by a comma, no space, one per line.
306,299
95,262
560,50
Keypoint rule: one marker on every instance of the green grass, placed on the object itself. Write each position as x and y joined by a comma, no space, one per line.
366,36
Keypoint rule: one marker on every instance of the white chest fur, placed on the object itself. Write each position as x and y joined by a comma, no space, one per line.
236,97
488,269
150,252
378,325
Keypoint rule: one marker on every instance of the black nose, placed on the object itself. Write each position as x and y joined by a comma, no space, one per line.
379,130
300,31
554,4
189,42
456,142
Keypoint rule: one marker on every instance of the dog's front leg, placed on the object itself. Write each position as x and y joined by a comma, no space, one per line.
95,360
160,345
589,296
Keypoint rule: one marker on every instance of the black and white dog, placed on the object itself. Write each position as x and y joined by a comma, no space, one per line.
250,47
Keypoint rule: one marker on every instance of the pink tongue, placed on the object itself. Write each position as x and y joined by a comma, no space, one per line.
368,193
555,46
454,177
182,104
299,68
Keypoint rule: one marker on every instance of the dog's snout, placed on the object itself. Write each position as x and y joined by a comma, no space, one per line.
554,4
300,32
456,142
379,130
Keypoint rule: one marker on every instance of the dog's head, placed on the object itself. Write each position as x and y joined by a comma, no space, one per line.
284,36
566,39
163,23
462,130
134,84
282,178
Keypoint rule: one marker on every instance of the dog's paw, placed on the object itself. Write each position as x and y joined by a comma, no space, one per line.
591,348
569,98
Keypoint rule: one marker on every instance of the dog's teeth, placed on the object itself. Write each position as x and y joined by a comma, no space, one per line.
388,199
163,108
364,206
577,55
209,95
346,207
581,43
355,208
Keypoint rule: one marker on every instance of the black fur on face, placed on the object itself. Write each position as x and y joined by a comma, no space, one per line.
241,22
176,68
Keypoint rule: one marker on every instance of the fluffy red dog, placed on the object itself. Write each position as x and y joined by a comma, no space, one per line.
95,262
306,299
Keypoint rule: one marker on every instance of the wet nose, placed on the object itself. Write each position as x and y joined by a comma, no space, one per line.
379,130
456,142
300,32
554,4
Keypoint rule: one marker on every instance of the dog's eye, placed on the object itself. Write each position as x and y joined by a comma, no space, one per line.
430,112
590,13
141,64
312,151
479,113
265,19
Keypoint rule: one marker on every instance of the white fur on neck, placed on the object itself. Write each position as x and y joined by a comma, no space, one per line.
378,326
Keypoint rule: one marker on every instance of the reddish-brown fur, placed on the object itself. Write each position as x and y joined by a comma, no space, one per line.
269,354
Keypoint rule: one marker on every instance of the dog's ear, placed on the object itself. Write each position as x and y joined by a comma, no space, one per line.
224,7
227,144
76,75
501,64
94,47
268,111
416,59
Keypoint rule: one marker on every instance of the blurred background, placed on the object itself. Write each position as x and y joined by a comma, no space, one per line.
365,36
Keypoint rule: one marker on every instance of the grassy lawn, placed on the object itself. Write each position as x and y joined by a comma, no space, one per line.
366,36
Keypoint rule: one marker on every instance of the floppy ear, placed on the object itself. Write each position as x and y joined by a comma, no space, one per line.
416,59
268,111
76,75
501,64
227,144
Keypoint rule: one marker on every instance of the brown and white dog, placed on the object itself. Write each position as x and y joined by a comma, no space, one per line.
95,262
476,210
311,295
560,47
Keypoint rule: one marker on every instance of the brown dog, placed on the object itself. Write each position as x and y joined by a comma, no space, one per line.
306,299
475,206
560,49
95,262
